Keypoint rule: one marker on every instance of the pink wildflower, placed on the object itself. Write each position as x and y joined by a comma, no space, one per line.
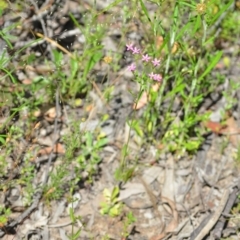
156,62
132,67
151,75
136,50
129,47
157,77
145,58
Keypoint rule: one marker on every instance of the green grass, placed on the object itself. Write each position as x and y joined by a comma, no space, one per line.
188,56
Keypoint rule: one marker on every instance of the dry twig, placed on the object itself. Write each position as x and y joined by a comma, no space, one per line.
217,232
204,227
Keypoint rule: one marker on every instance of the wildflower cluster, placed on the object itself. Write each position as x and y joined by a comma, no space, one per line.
145,58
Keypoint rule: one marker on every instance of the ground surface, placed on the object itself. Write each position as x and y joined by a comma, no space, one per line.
170,197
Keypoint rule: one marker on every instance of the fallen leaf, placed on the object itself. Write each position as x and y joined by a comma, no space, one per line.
174,222
215,127
58,148
89,107
37,125
175,48
159,41
233,131
229,128
141,102
37,113
50,114
27,81
144,98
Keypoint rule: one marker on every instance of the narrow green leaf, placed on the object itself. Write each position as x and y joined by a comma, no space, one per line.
145,12
125,150
91,63
2,139
71,214
115,193
183,30
100,143
74,67
213,63
210,40
110,6
77,234
197,25
177,89
187,4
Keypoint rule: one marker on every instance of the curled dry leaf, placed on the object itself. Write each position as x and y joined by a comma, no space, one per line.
58,148
27,81
229,128
215,127
50,114
159,42
144,97
233,131
141,102
174,222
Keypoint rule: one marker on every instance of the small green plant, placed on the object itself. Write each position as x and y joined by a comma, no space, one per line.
111,206
89,157
83,151
4,215
55,189
173,74
237,154
74,235
129,219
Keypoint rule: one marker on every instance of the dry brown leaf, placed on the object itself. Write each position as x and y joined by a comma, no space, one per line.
37,113
27,81
144,98
233,131
89,107
141,102
58,148
174,222
159,41
175,48
37,125
215,127
229,128
51,113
